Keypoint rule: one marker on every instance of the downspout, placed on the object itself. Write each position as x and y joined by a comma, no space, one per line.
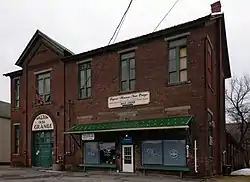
195,157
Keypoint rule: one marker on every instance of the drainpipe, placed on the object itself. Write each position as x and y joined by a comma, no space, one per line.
195,157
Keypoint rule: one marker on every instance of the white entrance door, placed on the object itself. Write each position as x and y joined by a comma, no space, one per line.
127,158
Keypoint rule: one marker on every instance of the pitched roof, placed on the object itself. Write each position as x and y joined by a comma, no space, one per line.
14,73
4,109
165,32
52,43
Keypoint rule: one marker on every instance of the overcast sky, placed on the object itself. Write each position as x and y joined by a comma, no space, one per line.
81,25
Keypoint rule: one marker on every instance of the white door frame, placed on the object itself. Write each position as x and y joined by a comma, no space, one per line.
128,167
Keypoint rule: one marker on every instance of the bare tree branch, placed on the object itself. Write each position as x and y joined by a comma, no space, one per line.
238,107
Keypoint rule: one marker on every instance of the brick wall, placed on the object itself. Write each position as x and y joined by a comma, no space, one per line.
192,97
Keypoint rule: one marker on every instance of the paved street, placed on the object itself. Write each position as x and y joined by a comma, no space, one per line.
29,175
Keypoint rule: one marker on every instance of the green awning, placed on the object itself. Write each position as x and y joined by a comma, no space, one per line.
125,125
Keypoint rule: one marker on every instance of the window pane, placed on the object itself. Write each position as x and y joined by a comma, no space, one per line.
47,98
88,65
209,116
17,91
91,153
47,85
128,55
174,152
183,75
88,78
172,54
183,63
44,75
89,92
176,43
82,79
83,93
172,66
40,87
173,77
17,103
152,152
124,85
183,52
107,153
132,84
132,74
124,69
132,63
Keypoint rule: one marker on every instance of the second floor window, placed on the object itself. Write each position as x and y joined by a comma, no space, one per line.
209,65
127,81
85,80
177,61
16,92
43,93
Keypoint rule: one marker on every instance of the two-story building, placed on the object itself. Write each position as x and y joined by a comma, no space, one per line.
150,103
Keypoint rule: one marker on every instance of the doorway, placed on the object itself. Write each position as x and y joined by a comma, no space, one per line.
127,158
42,149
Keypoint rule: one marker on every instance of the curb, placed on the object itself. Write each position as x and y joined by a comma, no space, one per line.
31,177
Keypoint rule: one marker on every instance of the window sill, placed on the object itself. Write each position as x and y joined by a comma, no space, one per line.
15,109
178,83
41,105
16,154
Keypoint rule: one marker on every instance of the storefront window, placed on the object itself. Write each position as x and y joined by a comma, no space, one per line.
164,152
91,153
152,152
99,152
107,153
174,152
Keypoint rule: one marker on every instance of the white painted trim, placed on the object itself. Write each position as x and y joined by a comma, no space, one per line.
209,41
131,129
177,36
210,111
16,78
43,71
127,50
84,61
16,124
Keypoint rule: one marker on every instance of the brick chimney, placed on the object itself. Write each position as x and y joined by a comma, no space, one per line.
216,7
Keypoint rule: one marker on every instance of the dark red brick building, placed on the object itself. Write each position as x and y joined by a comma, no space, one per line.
144,104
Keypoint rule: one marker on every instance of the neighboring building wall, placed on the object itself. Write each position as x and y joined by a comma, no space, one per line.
5,140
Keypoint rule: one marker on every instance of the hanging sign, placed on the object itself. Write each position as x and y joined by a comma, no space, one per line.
42,122
88,136
133,99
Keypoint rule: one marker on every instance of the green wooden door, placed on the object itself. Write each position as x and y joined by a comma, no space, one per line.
42,149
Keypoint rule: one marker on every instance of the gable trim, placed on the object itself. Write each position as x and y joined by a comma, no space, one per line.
41,38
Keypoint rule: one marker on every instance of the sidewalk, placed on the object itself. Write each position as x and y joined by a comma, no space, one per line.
8,173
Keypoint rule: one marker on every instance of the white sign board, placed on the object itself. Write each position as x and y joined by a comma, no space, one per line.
42,122
133,99
88,136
